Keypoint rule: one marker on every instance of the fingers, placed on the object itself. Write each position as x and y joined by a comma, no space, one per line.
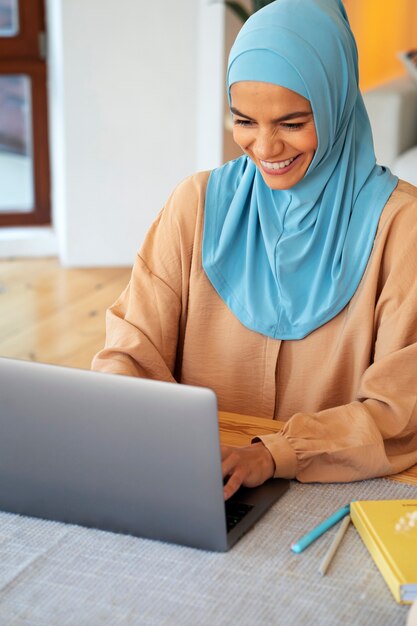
229,460
230,470
234,482
249,466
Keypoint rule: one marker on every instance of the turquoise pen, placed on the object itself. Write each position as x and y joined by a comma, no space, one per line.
317,531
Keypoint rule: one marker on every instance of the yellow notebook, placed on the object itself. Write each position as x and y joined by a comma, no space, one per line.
388,528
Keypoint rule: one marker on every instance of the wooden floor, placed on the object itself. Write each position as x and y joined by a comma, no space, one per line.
55,315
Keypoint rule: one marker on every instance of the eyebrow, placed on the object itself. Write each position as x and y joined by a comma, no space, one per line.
289,116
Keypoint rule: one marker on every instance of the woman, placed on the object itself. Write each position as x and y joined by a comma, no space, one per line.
286,280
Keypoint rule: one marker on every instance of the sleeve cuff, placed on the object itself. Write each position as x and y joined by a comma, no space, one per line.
283,454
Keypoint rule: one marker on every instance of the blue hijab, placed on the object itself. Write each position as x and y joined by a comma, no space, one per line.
286,262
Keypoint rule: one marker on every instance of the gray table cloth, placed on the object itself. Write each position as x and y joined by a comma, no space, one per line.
53,574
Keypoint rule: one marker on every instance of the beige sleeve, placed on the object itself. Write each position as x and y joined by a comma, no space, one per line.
142,326
375,435
140,329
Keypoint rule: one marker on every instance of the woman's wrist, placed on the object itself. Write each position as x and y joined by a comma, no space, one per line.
267,458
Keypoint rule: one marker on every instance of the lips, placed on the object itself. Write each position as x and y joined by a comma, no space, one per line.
279,167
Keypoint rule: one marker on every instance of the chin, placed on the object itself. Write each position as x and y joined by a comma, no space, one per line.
279,185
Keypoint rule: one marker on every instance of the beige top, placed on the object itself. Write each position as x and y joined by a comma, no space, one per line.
347,391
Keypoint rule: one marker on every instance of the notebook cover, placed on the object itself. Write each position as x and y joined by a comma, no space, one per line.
388,528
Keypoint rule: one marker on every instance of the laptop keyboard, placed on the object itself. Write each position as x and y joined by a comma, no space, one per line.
235,511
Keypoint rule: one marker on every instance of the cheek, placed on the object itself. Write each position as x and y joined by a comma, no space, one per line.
305,143
240,137
311,141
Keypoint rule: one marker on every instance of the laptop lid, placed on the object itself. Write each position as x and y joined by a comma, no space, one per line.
113,452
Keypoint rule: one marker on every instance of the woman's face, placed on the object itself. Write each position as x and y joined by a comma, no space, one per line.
275,127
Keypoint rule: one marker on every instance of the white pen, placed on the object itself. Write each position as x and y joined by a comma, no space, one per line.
334,545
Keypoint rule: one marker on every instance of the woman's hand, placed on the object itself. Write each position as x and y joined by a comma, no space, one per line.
249,466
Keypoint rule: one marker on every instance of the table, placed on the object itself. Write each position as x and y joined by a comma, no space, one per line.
54,574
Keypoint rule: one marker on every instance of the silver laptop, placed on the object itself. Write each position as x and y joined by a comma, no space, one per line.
121,454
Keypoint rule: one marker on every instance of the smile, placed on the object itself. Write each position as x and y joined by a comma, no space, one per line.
277,165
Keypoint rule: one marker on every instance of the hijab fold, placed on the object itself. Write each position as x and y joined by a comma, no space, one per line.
286,262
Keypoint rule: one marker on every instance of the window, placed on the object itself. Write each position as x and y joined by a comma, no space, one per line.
24,156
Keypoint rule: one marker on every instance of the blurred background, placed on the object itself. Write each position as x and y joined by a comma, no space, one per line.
105,107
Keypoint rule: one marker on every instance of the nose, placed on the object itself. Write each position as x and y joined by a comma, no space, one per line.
268,145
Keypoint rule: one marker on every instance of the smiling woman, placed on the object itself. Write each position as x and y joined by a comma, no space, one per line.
285,280
275,127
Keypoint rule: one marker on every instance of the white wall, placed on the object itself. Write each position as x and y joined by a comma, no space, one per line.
135,106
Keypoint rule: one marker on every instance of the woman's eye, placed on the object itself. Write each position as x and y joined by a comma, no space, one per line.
238,122
292,126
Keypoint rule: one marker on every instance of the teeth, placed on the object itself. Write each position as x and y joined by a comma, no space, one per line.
277,165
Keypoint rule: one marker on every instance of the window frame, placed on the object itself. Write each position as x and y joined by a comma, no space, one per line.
22,54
